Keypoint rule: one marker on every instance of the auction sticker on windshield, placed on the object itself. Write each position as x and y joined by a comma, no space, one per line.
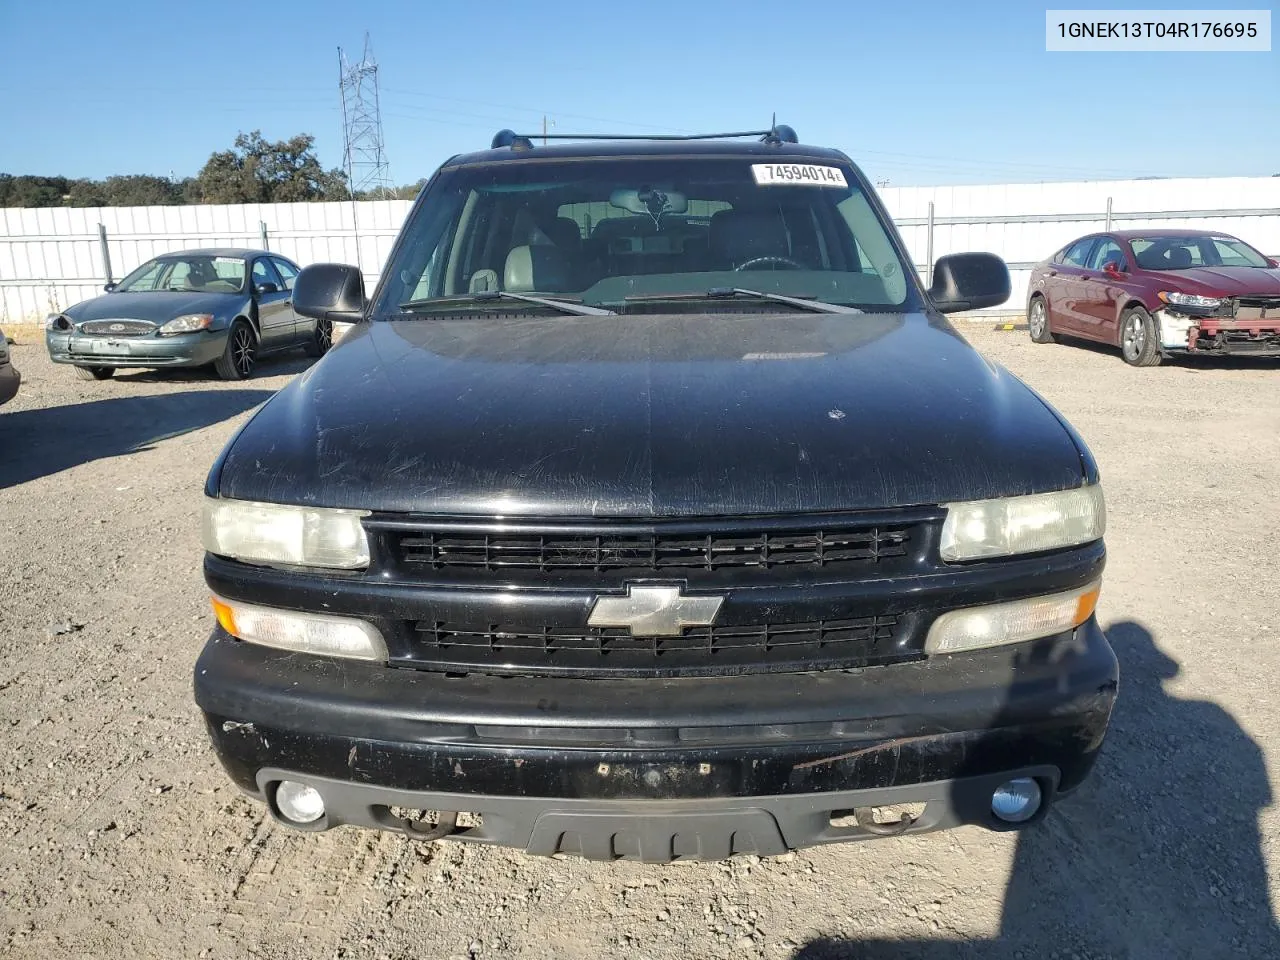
798,174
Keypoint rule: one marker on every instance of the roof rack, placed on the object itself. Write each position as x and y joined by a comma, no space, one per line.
778,133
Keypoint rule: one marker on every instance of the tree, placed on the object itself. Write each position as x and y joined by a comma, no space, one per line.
140,190
28,191
258,171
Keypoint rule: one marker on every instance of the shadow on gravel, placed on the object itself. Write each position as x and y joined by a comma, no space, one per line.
273,365
1158,855
39,442
1190,364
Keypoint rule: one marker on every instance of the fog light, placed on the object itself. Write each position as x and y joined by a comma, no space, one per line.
1016,801
298,802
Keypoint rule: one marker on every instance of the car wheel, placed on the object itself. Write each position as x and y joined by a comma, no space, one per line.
236,362
1139,344
1038,321
95,373
321,339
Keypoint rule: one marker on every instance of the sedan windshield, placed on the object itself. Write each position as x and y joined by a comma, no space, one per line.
190,274
1184,253
611,233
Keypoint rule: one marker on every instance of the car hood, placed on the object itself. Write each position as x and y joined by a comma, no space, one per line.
158,307
650,416
1226,281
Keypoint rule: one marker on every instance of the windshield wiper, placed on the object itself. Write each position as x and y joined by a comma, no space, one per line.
488,296
728,293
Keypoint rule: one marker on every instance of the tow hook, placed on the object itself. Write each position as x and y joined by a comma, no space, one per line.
865,819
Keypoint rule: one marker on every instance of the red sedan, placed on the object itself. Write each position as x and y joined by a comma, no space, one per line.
1159,293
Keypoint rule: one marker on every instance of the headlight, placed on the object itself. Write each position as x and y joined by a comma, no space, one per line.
978,529
56,321
1190,300
303,632
274,533
1013,622
187,324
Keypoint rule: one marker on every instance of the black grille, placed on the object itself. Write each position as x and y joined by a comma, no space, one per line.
649,551
608,651
118,328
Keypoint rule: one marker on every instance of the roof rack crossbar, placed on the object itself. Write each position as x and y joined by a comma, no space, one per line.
780,133
646,136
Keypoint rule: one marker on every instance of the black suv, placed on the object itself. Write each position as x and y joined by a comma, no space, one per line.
654,510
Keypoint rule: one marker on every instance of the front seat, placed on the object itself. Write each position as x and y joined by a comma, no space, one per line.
531,268
1179,258
737,236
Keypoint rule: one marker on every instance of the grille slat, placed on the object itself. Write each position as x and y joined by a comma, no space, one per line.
118,328
866,633
647,551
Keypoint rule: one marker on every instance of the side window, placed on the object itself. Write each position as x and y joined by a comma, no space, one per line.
179,276
1108,251
1078,253
263,272
286,271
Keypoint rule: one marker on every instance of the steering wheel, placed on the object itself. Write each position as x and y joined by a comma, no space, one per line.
783,261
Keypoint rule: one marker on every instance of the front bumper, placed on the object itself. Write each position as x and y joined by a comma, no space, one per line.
10,380
183,350
661,769
1186,334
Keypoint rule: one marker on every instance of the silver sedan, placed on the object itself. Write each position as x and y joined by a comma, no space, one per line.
226,307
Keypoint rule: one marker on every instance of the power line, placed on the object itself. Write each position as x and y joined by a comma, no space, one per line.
363,147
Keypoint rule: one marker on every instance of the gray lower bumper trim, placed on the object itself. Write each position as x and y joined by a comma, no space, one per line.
660,830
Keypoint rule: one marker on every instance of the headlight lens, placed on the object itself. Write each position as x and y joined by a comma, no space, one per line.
56,321
189,323
275,533
303,632
1014,622
1190,300
978,529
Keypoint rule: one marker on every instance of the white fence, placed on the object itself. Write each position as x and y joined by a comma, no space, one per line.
51,258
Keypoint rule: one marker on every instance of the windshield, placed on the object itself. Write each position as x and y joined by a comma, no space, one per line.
609,232
1183,253
191,274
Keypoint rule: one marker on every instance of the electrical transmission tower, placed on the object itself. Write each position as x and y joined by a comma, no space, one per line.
364,154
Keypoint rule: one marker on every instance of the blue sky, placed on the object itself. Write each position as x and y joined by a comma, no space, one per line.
917,93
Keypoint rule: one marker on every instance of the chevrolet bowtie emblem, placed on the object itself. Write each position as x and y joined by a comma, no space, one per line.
654,611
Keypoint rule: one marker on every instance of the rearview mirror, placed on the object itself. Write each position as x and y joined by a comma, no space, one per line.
650,200
330,291
265,287
1273,263
109,286
969,281
1113,267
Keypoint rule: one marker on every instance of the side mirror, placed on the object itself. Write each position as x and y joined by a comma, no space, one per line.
265,287
109,286
969,281
1112,268
330,291
1273,263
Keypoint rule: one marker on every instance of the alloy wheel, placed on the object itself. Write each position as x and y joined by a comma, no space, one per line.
242,350
1135,336
1037,319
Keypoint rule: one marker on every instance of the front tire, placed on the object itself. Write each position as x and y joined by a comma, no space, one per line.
237,360
1038,321
321,339
1139,342
95,373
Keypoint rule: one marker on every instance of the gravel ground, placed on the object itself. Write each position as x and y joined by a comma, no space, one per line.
120,836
